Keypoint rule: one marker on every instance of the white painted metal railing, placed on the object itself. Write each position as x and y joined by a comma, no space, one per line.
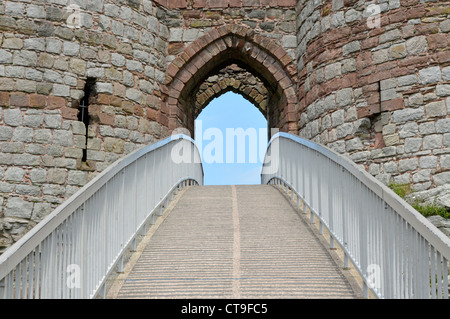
71,253
397,251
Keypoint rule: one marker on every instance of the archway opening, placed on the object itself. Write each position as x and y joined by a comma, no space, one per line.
228,53
232,137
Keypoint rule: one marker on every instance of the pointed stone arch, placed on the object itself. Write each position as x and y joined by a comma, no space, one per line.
240,45
235,79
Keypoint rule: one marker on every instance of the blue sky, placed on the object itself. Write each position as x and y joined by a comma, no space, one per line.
230,111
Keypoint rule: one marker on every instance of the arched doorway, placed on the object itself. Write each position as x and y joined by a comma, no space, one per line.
239,52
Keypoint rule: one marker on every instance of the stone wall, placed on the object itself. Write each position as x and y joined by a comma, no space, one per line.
195,25
44,64
379,94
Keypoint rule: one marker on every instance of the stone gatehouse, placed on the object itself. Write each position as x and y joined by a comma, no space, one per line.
85,82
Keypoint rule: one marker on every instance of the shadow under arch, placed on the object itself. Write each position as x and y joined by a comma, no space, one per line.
240,45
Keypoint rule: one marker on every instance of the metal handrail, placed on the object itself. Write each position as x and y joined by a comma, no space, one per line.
72,251
396,250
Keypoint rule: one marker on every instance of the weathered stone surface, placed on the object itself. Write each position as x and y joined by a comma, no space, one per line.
417,45
408,115
442,178
18,208
430,75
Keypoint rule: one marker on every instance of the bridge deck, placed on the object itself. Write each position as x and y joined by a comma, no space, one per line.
234,242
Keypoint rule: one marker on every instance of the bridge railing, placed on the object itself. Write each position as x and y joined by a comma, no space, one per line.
397,251
71,253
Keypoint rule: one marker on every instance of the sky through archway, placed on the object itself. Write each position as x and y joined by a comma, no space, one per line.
231,134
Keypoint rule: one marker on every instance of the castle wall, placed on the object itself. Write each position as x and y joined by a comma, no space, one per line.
379,93
45,59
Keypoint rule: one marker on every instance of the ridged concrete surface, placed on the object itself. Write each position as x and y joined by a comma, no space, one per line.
234,242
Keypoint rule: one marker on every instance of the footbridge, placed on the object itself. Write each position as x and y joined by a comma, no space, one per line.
318,226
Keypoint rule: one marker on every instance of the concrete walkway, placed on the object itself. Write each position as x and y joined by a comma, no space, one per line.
234,242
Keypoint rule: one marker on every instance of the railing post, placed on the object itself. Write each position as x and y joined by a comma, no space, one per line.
363,239
319,193
133,245
344,219
102,293
330,204
2,288
152,218
120,265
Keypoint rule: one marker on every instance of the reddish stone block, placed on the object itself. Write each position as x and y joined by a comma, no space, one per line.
178,4
152,114
138,110
416,12
369,43
119,89
20,99
116,101
368,110
172,70
176,48
235,3
184,76
348,80
378,76
198,62
292,69
106,119
373,98
379,141
286,60
292,128
37,100
291,117
102,99
69,113
438,41
280,52
189,52
287,3
416,61
199,4
4,99
444,56
205,55
192,14
174,93
162,2
221,44
392,105
177,85
173,124
128,107
163,119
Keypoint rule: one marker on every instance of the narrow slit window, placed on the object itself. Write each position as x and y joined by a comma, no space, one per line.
83,114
